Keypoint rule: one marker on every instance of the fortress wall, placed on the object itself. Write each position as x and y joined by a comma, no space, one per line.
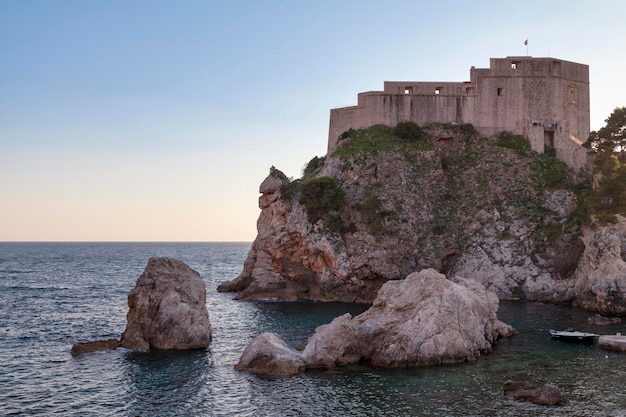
425,88
341,119
570,151
499,105
544,99
390,109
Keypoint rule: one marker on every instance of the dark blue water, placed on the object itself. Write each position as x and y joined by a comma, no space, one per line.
55,294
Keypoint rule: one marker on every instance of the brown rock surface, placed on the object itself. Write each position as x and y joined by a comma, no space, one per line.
547,394
94,346
167,309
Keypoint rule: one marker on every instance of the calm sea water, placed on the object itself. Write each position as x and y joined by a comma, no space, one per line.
55,294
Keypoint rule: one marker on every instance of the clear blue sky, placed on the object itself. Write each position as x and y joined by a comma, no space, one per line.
158,120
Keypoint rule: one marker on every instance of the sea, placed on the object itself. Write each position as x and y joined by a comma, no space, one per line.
55,294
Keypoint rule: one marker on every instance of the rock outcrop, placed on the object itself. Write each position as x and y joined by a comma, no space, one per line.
94,346
601,274
612,342
424,319
600,320
167,309
449,201
547,394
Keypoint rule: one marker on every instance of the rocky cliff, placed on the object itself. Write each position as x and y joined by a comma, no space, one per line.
489,209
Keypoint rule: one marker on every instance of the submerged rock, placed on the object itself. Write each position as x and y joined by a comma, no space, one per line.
424,319
547,394
167,308
94,346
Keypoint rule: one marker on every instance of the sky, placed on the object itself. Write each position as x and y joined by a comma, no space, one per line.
158,120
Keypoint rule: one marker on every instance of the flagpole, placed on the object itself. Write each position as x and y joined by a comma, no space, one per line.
526,46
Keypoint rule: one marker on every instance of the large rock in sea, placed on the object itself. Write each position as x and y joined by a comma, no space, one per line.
167,309
601,273
424,319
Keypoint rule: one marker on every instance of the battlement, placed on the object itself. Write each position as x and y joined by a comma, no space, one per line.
544,99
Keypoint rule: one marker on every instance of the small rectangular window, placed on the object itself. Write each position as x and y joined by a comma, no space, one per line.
500,91
408,90
516,64
438,90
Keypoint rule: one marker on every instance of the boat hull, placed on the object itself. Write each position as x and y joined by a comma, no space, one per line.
574,337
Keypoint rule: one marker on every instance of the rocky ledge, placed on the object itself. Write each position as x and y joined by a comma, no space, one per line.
425,319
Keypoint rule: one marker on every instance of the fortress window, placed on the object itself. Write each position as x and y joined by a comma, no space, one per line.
516,64
572,96
500,91
408,90
438,90
469,90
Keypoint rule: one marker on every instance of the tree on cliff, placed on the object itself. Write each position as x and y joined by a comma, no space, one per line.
612,137
609,195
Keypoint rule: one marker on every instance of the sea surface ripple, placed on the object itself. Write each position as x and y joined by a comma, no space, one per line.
55,294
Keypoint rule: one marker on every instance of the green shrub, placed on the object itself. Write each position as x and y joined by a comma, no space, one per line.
290,189
550,172
609,198
517,143
313,167
408,131
322,197
372,211
468,129
379,139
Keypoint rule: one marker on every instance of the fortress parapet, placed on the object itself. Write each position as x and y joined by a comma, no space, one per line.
544,99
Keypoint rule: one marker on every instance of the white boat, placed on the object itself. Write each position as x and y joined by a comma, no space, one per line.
571,335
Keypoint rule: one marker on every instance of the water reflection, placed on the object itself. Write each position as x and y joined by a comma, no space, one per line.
165,378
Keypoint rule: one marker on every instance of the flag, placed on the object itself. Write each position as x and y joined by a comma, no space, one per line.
526,42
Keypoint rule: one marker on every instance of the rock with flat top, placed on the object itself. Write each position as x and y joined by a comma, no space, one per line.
167,309
612,342
94,346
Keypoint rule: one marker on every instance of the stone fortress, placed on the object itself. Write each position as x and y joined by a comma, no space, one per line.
543,99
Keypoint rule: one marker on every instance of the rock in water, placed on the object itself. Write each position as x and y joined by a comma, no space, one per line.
269,354
547,394
95,346
424,319
167,309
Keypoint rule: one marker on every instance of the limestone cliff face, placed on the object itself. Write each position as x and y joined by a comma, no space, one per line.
601,274
474,207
